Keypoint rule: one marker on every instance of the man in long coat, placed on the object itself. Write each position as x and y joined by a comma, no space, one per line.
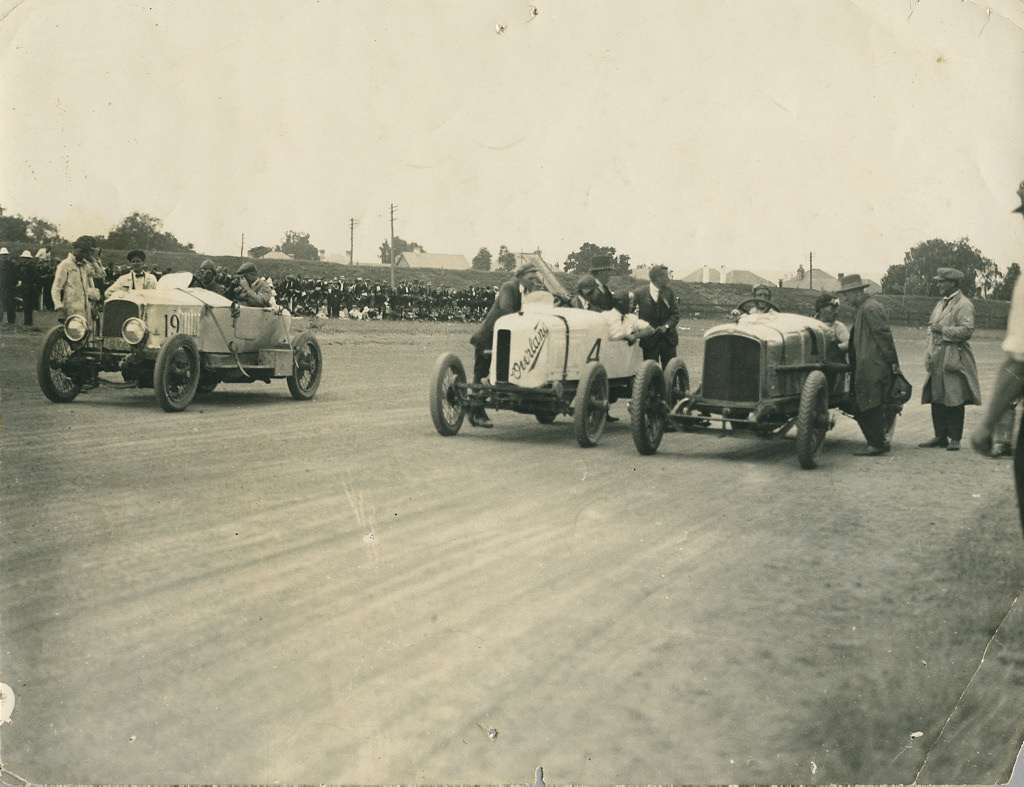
73,289
952,380
874,363
508,300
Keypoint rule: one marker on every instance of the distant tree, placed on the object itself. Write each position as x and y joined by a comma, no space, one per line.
1004,290
297,245
579,262
506,259
482,260
43,232
142,231
400,246
258,251
915,276
13,229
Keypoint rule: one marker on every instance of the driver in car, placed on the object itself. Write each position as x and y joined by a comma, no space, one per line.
253,290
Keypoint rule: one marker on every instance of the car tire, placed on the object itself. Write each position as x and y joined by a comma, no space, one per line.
307,367
677,382
176,373
55,385
447,407
812,421
647,407
590,411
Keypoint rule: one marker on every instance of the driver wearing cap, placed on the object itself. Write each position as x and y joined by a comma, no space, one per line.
253,289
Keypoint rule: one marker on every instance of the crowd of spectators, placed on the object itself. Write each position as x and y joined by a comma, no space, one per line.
29,278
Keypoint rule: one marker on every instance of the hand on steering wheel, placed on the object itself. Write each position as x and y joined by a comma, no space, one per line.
763,304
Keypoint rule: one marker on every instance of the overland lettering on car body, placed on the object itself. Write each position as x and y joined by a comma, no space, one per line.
532,353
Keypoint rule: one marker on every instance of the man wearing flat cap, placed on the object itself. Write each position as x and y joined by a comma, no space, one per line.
601,268
874,363
73,289
138,278
952,380
252,289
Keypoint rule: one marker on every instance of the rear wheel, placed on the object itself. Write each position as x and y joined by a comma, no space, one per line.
812,420
307,366
55,384
647,408
176,373
447,410
591,409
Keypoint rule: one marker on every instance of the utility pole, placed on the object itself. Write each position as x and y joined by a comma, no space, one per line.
810,272
241,251
393,209
351,241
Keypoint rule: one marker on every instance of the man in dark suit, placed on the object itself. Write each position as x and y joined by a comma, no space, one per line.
601,268
508,300
656,303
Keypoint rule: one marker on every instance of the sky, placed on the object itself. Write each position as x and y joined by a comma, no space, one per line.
747,134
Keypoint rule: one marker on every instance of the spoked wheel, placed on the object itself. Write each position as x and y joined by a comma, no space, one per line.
176,373
648,407
812,421
447,409
307,366
591,409
56,350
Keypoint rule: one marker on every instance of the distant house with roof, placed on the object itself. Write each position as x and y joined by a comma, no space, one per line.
723,275
421,259
277,255
820,280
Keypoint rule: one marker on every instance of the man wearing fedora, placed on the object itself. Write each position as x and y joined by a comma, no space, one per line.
1009,386
73,288
952,380
601,268
873,363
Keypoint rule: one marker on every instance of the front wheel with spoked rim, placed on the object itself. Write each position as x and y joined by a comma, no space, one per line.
176,373
54,383
590,410
812,421
447,409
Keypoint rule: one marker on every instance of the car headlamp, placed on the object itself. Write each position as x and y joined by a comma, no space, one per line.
134,330
75,327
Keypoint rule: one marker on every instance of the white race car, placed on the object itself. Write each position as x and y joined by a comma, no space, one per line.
545,361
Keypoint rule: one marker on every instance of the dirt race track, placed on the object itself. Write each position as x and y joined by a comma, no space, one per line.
261,590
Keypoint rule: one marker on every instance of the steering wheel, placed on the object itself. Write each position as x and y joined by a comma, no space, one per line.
761,303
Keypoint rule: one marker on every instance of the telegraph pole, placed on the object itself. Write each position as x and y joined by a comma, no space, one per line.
351,239
810,273
241,251
393,209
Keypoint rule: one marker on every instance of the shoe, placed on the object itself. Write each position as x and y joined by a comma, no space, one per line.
871,450
479,418
954,445
935,442
1001,449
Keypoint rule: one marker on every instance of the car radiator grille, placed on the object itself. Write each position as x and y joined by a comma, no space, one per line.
114,314
732,369
501,361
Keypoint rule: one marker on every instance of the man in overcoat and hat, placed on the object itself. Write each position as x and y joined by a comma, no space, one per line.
874,363
952,380
73,289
